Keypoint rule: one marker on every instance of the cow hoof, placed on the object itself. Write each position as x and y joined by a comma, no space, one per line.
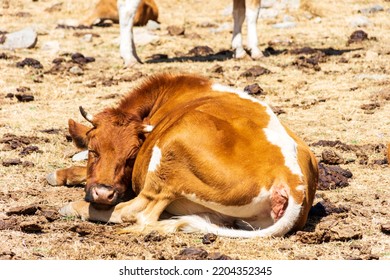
240,53
68,211
256,54
52,179
131,63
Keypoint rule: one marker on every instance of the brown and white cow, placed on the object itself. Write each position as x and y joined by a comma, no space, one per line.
107,9
242,9
210,155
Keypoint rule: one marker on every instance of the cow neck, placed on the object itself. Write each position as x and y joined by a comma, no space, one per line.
146,100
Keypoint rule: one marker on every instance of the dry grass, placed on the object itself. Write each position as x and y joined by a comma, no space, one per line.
318,105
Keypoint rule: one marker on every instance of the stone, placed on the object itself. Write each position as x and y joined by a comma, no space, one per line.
153,25
23,39
358,21
76,70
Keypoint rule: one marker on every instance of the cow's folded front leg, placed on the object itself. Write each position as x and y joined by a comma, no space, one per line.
86,211
68,177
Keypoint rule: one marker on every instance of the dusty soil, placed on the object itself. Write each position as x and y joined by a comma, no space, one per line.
332,87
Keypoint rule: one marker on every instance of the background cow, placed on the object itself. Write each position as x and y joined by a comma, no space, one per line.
107,9
208,153
242,9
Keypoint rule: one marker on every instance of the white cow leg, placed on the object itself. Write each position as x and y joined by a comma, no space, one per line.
252,13
127,10
239,17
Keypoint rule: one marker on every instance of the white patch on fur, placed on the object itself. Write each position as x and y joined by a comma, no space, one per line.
301,188
275,132
80,156
155,159
259,206
194,223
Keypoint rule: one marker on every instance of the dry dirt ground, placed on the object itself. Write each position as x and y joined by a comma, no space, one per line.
334,93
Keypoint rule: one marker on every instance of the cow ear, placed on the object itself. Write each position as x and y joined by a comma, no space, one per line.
78,132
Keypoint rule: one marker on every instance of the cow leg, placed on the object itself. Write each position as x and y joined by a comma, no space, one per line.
239,17
252,13
142,210
127,10
69,176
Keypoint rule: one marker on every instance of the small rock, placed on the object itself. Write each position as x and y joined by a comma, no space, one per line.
254,89
23,39
34,226
284,25
326,207
370,106
81,59
332,177
142,37
359,21
255,71
357,36
209,238
23,210
153,25
317,20
175,30
371,10
31,62
153,236
52,47
192,253
29,150
331,157
24,97
11,162
385,228
218,256
76,70
201,51
278,110
87,38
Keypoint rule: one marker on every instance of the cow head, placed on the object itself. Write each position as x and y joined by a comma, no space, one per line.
113,142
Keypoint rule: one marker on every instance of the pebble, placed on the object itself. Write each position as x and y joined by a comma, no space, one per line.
358,21
153,25
76,70
22,39
372,10
288,22
52,47
87,38
142,37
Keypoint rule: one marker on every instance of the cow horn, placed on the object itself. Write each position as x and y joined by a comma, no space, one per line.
86,115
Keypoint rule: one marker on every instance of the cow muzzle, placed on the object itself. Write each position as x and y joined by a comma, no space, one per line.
102,195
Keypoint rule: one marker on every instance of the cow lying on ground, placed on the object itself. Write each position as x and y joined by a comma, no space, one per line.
241,9
214,157
107,9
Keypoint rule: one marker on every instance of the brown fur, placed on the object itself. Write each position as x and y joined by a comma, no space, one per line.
107,9
212,147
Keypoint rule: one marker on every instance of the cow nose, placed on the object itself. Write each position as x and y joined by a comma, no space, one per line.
102,194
